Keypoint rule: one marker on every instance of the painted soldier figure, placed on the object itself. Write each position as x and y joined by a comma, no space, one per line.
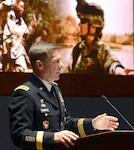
15,58
91,55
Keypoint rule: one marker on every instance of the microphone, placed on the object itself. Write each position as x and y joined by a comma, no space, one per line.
128,123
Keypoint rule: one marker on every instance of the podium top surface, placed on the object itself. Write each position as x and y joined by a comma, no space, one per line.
120,139
116,132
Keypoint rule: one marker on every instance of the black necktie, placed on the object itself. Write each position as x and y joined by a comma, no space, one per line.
53,91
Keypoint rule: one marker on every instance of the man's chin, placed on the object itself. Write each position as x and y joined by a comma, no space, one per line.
57,78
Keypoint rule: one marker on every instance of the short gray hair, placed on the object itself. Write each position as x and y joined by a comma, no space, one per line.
40,50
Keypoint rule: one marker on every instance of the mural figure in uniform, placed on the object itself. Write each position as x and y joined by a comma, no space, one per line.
15,58
91,55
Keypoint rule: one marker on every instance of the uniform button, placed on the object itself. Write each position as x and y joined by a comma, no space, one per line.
46,114
41,88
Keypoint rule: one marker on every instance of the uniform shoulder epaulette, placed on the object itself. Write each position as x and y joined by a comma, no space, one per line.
55,83
22,87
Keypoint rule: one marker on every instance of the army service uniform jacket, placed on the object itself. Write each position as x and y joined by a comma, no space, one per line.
35,116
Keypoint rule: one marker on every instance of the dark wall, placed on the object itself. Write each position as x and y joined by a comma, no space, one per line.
5,141
93,106
78,107
76,84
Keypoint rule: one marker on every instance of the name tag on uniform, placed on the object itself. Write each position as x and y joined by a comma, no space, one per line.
44,110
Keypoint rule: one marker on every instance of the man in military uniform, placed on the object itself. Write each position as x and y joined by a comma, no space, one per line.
90,55
38,116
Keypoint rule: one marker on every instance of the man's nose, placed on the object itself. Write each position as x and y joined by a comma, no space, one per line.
61,64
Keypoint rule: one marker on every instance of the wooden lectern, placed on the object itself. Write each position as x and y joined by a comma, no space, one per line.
117,140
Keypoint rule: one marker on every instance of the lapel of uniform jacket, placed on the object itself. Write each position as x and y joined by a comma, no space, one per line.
42,90
61,102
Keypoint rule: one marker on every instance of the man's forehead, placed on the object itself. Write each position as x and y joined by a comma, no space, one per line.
55,53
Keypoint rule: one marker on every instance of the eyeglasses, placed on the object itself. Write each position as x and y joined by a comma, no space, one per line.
84,20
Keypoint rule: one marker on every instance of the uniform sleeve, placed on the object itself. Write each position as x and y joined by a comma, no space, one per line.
11,22
107,60
21,120
81,126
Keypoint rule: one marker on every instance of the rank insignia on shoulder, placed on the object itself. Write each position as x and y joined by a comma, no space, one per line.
22,87
45,124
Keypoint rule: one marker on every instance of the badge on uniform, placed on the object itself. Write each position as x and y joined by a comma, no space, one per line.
61,98
42,102
43,105
45,124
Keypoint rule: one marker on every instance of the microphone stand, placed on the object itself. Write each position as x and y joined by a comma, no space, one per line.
106,99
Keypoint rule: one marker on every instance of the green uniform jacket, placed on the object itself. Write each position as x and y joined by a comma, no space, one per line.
95,59
34,117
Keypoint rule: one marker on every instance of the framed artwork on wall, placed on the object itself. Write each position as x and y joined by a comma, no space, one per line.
96,40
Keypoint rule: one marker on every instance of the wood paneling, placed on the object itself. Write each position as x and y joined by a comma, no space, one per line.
76,84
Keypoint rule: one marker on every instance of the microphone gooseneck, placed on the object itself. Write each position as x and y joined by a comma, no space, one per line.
128,123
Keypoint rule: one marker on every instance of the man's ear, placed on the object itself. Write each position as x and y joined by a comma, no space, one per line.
39,64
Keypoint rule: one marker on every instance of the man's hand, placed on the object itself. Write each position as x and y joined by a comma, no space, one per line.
105,122
65,137
121,71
